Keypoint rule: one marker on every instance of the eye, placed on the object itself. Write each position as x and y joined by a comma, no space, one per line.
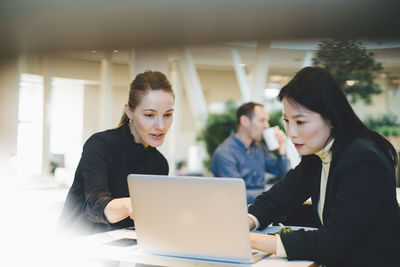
148,115
168,115
300,122
285,120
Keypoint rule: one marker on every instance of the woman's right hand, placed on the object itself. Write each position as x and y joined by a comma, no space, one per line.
252,224
118,209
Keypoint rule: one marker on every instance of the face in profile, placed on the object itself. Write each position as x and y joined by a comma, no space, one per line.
152,118
308,131
258,122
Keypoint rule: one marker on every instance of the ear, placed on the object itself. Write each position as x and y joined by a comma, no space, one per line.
244,121
128,111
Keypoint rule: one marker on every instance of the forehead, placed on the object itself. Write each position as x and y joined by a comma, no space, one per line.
157,100
291,109
260,112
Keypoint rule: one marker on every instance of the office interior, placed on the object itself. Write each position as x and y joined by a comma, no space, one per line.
55,93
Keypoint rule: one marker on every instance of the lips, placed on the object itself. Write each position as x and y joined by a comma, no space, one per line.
157,136
297,145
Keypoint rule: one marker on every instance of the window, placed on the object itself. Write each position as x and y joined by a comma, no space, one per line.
30,125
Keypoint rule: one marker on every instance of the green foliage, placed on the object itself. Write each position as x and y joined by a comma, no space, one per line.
218,128
275,118
386,130
386,125
348,61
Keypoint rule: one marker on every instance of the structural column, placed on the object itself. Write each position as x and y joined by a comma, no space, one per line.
260,71
106,92
307,61
10,71
174,132
47,72
194,91
241,76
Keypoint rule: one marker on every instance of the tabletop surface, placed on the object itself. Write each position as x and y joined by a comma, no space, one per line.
99,249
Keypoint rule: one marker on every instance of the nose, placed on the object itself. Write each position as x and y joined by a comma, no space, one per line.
160,123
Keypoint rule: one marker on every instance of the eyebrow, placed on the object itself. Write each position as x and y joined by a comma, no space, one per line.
296,116
153,110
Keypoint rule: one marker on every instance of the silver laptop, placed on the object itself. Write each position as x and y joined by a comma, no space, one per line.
192,217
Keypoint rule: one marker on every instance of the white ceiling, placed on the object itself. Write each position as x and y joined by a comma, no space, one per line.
60,25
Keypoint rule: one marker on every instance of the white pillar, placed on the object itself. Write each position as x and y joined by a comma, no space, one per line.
241,76
10,70
106,93
173,135
194,91
260,71
307,61
47,72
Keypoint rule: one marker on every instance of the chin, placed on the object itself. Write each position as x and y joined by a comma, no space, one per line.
156,143
304,153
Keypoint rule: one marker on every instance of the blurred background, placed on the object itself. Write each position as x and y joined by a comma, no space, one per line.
66,66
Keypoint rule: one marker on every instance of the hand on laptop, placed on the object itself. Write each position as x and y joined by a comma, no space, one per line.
263,242
118,209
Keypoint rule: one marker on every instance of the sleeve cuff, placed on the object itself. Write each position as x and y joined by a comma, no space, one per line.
257,224
280,249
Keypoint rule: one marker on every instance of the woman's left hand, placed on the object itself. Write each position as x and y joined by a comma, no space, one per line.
263,242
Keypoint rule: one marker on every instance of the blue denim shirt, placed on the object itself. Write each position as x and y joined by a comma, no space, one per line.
232,158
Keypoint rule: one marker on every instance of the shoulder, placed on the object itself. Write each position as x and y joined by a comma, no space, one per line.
362,150
224,145
361,147
106,138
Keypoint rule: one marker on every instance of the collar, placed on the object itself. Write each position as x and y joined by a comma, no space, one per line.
240,142
131,138
325,154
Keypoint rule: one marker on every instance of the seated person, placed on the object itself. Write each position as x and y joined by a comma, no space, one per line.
242,154
98,199
346,169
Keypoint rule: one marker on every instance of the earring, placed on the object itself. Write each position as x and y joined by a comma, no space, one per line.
130,120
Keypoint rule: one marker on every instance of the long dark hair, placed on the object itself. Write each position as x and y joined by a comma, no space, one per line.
141,85
316,89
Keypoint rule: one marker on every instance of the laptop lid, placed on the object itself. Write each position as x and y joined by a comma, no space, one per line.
194,217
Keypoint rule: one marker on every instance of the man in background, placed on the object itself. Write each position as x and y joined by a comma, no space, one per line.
243,155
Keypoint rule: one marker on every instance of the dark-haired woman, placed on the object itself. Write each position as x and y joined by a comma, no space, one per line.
346,169
98,199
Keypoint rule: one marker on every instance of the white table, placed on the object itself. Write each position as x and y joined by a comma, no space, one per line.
94,247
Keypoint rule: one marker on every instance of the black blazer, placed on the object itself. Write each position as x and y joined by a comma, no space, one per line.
361,214
101,176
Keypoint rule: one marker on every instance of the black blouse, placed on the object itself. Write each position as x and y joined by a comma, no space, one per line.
107,159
